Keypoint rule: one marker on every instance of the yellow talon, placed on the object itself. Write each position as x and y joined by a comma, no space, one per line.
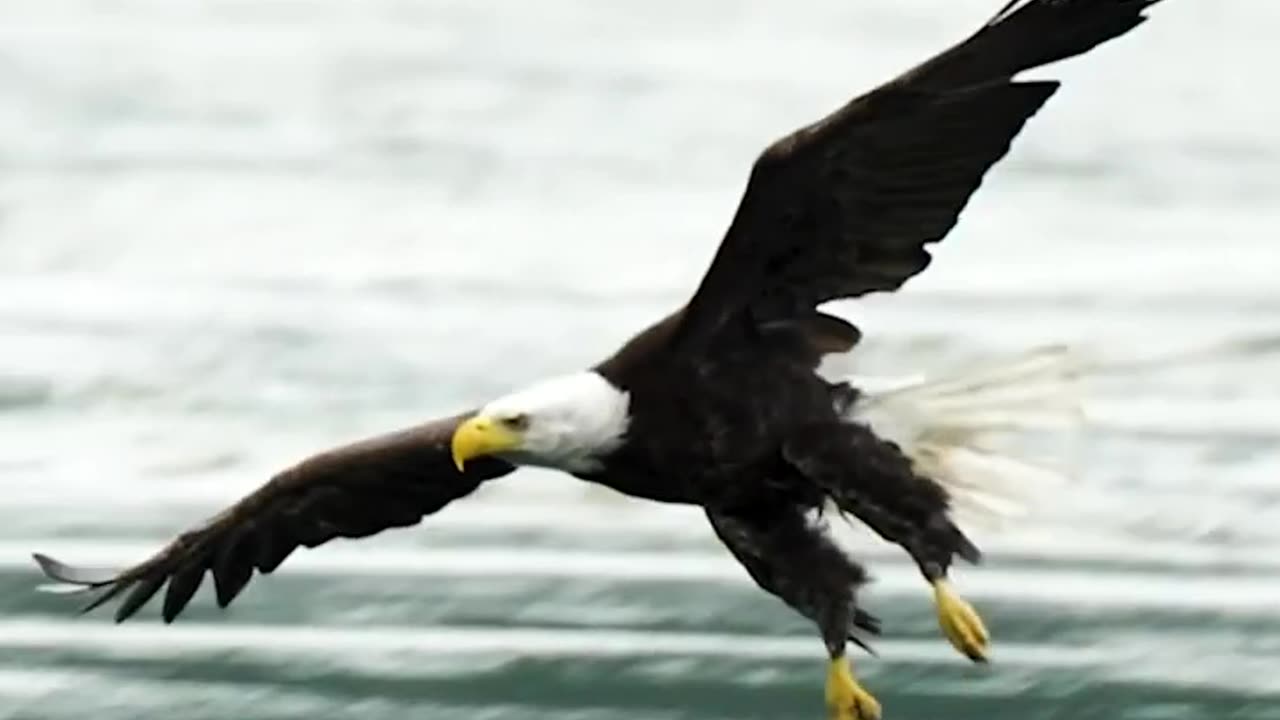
960,622
846,700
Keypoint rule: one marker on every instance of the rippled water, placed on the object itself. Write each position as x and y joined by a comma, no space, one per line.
232,233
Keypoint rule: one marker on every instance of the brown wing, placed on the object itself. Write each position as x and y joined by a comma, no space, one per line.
349,492
847,205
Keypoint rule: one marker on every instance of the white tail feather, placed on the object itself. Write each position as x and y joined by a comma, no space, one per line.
957,429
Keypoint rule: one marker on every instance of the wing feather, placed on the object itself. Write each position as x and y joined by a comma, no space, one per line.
352,491
847,205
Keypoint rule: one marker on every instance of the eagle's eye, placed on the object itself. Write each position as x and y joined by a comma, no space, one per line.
517,423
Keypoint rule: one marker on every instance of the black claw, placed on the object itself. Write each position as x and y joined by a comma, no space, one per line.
864,620
863,644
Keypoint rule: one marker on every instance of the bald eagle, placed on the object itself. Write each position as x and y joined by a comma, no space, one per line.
721,403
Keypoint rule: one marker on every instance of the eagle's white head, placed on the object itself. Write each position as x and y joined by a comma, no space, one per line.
567,423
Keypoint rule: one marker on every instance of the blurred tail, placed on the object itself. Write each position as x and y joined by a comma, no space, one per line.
960,429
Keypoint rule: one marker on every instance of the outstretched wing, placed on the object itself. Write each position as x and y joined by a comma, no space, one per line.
791,557
352,491
846,206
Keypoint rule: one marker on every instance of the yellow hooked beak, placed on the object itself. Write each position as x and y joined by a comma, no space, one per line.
481,436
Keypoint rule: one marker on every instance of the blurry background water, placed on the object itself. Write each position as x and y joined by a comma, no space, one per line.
234,232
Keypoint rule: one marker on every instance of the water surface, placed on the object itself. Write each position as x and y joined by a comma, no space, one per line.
234,233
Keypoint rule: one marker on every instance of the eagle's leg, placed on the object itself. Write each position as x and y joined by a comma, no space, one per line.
792,557
960,623
846,698
872,479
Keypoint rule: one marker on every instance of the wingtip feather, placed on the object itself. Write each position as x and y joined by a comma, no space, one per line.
57,570
61,588
48,565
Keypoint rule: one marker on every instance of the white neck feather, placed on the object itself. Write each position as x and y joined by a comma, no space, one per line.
573,421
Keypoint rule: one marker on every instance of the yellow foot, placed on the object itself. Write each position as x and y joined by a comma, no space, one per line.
846,700
960,622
